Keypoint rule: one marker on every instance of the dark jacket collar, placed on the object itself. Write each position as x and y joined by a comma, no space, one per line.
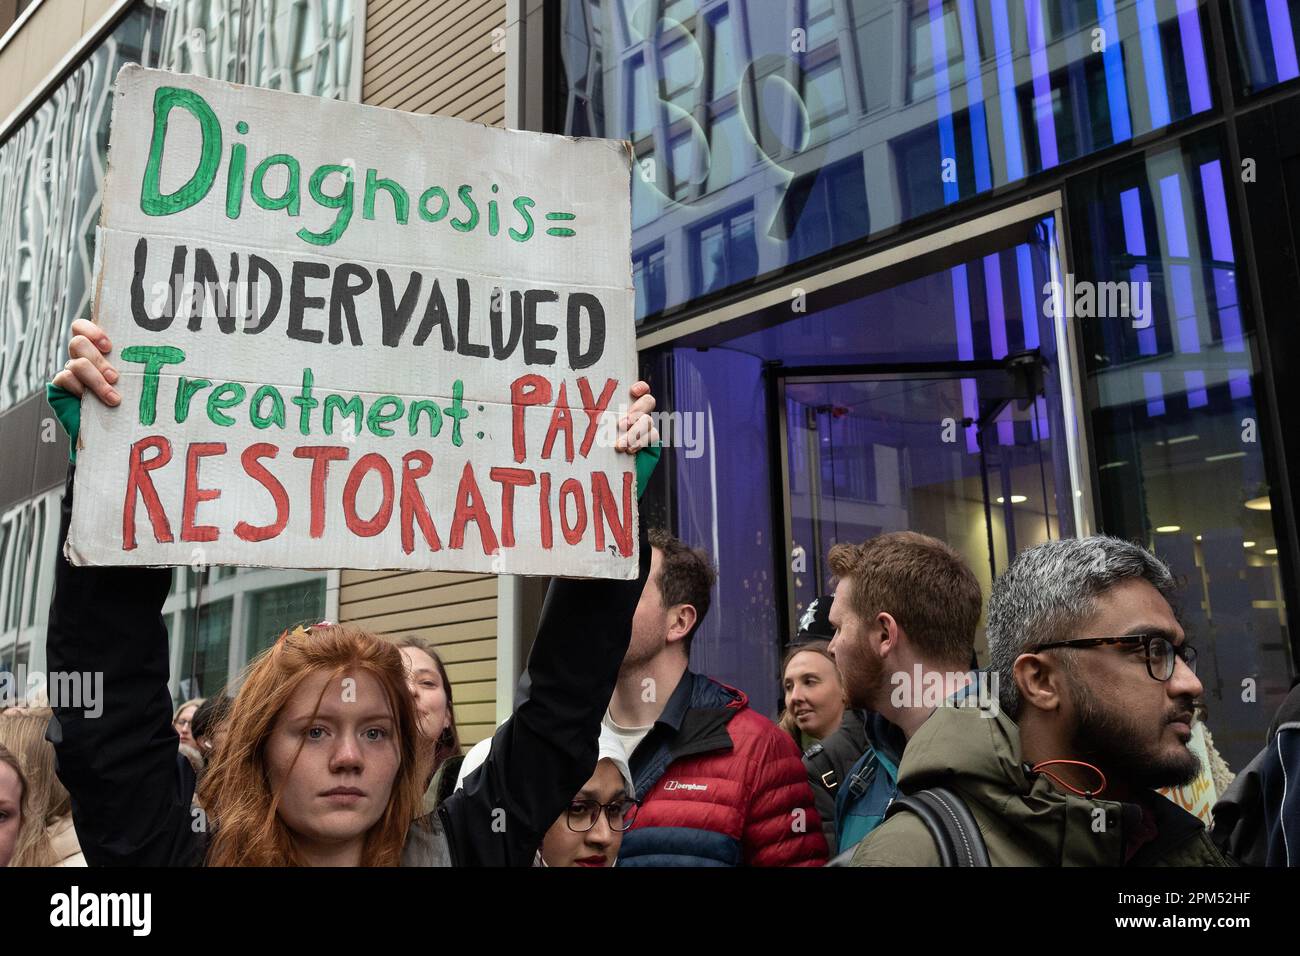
693,721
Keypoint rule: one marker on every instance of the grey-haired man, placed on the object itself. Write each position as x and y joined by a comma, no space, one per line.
1097,687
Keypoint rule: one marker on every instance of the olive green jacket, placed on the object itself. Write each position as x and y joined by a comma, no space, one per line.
1025,821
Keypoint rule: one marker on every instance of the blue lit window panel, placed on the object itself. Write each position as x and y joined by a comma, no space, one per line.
1166,423
1266,33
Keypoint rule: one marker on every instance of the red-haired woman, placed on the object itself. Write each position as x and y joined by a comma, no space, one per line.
322,762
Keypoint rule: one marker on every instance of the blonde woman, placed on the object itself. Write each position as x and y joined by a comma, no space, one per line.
52,840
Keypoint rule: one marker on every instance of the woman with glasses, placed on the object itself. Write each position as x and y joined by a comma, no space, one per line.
590,831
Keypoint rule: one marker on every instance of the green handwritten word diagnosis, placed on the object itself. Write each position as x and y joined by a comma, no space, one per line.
464,213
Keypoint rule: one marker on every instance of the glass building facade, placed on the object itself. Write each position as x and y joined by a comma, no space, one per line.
986,269
52,165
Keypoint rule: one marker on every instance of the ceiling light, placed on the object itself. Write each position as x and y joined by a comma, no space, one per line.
1182,438
1015,500
1235,454
1271,551
1168,528
1262,503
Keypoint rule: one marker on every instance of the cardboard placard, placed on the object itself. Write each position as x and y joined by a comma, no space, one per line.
355,337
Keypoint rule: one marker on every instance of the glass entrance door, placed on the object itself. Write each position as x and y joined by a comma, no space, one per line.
961,451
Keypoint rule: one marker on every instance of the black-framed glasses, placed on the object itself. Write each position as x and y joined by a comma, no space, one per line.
582,814
1161,653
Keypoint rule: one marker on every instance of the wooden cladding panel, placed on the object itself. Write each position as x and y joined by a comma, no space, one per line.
436,58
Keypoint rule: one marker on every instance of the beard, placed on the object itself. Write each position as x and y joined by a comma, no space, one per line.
863,680
1114,739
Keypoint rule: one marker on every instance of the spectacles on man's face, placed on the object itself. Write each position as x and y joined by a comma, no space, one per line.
582,814
1160,652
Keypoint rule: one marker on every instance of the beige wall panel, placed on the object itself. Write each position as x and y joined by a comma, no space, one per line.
447,40
51,31
93,11
477,74
415,581
396,18
428,617
452,633
417,600
11,73
438,54
470,734
469,651
471,671
476,690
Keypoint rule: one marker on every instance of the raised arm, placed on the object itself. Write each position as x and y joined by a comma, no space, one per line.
118,759
547,750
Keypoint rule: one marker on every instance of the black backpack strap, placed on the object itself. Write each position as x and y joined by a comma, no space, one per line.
953,829
821,767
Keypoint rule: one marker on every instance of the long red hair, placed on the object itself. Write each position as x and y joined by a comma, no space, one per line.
235,791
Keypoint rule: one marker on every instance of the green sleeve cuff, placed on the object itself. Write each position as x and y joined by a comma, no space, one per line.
67,409
646,461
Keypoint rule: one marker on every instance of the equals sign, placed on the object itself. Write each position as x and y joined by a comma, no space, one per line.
561,231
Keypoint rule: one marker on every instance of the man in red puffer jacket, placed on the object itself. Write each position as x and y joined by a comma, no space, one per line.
719,784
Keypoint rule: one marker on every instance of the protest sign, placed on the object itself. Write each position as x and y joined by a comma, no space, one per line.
356,337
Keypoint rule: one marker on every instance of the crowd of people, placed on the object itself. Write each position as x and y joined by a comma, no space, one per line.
340,747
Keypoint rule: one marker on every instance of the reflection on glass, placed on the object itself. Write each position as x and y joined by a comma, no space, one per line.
274,610
205,655
681,74
728,150
1179,454
724,251
725,56
933,449
1266,34
824,93
984,92
822,25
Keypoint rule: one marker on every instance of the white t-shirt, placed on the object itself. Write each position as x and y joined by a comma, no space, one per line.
629,736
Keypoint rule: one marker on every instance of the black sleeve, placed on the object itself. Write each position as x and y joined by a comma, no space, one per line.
118,759
547,750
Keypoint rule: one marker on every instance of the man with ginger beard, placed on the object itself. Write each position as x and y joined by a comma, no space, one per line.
1097,690
905,611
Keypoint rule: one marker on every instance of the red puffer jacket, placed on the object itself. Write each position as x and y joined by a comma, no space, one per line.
720,785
